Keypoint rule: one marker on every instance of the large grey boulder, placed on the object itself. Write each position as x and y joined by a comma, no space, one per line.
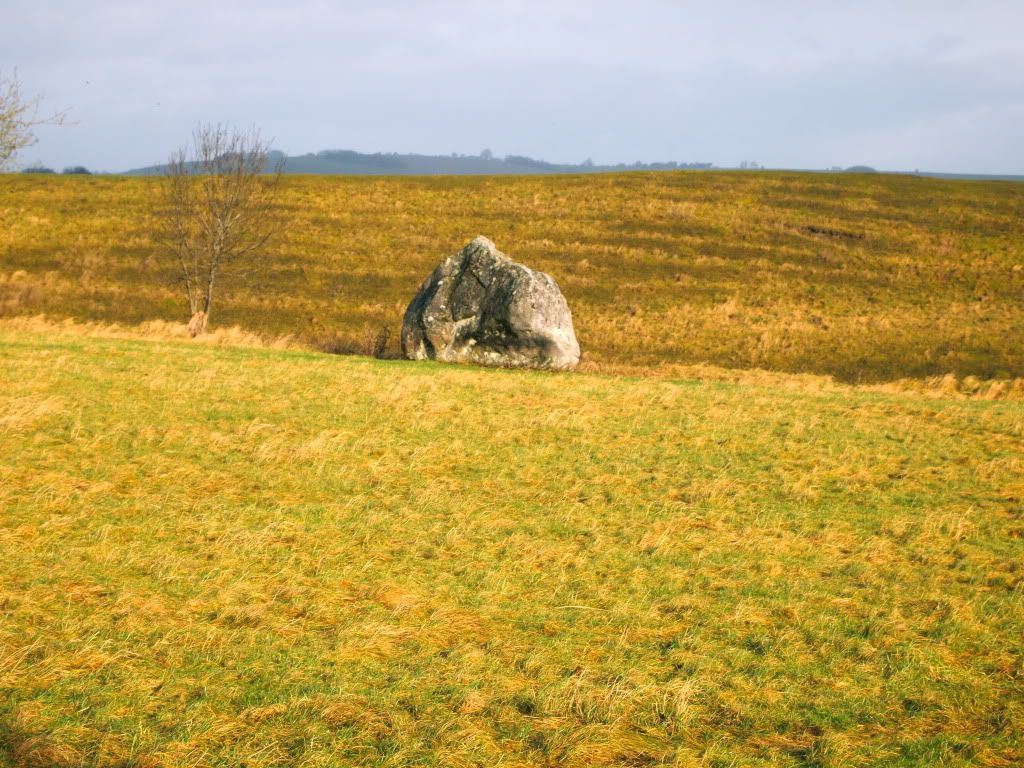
479,306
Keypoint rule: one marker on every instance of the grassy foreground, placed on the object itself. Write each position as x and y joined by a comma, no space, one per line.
865,278
269,557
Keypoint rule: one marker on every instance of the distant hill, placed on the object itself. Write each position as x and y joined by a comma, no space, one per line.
349,163
346,162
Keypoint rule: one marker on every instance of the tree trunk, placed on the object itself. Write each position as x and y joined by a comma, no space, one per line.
197,325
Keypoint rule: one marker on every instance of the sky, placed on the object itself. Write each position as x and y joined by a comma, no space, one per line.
899,85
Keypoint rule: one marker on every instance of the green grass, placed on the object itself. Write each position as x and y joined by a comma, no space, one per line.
866,278
257,557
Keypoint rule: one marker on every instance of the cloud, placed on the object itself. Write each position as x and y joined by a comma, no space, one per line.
802,84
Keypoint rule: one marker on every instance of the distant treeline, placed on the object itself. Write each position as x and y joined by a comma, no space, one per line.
348,162
71,170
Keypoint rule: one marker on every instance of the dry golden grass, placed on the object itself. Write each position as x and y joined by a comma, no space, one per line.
789,531
948,386
232,555
162,330
862,278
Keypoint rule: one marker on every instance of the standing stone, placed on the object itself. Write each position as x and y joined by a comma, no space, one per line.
479,306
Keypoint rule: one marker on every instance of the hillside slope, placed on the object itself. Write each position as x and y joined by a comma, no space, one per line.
261,557
866,278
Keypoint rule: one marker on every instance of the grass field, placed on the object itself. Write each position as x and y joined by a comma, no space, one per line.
259,557
864,278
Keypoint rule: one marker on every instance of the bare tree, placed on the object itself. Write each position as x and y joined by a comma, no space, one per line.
19,116
218,211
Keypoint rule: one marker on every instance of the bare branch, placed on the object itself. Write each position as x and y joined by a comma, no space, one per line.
19,117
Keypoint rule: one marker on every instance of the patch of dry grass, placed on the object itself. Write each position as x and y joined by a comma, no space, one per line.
232,336
948,386
862,278
239,555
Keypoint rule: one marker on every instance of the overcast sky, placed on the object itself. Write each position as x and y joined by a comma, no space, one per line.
897,84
